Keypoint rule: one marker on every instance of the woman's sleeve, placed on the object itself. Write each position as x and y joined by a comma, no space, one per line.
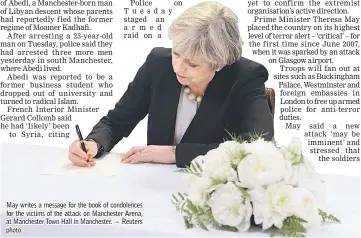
254,116
132,107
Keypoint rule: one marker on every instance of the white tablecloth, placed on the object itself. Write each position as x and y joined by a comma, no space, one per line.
149,184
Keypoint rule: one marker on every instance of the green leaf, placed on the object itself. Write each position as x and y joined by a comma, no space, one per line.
234,137
188,212
187,223
237,156
291,227
199,209
191,207
179,201
252,136
182,171
175,198
200,223
181,207
191,169
201,216
199,167
297,162
195,215
328,217
218,181
256,136
301,220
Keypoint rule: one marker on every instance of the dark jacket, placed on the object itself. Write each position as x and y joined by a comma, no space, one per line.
234,102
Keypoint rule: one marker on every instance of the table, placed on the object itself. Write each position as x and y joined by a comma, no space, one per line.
150,184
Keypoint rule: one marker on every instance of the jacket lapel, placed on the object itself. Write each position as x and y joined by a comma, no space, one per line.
166,109
211,109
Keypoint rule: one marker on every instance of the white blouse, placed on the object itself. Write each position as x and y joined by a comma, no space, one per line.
187,108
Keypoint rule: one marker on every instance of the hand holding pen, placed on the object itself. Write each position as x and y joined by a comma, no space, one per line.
81,152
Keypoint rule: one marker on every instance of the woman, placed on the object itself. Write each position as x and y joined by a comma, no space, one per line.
195,94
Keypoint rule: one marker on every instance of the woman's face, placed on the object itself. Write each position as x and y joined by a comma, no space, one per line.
191,71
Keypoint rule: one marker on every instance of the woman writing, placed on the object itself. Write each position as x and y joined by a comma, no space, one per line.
194,94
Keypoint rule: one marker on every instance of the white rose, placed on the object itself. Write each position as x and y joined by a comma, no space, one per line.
304,170
264,165
217,165
235,151
198,189
293,152
305,207
316,187
272,205
230,208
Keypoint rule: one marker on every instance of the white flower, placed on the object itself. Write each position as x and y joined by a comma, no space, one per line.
217,165
230,208
304,170
305,207
314,185
198,189
189,178
235,151
272,205
263,166
293,152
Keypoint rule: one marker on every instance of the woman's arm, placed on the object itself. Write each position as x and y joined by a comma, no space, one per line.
128,111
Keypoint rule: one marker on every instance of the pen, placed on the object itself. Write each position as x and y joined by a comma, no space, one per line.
81,140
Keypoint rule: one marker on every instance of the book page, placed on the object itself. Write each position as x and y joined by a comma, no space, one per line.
107,166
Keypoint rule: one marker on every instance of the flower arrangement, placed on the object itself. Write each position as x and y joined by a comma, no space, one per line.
242,183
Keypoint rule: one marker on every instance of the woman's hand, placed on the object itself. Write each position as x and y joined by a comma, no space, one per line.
79,157
149,154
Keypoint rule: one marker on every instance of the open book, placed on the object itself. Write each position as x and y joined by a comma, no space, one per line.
108,165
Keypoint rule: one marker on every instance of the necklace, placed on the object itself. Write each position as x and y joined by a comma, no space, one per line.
191,96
